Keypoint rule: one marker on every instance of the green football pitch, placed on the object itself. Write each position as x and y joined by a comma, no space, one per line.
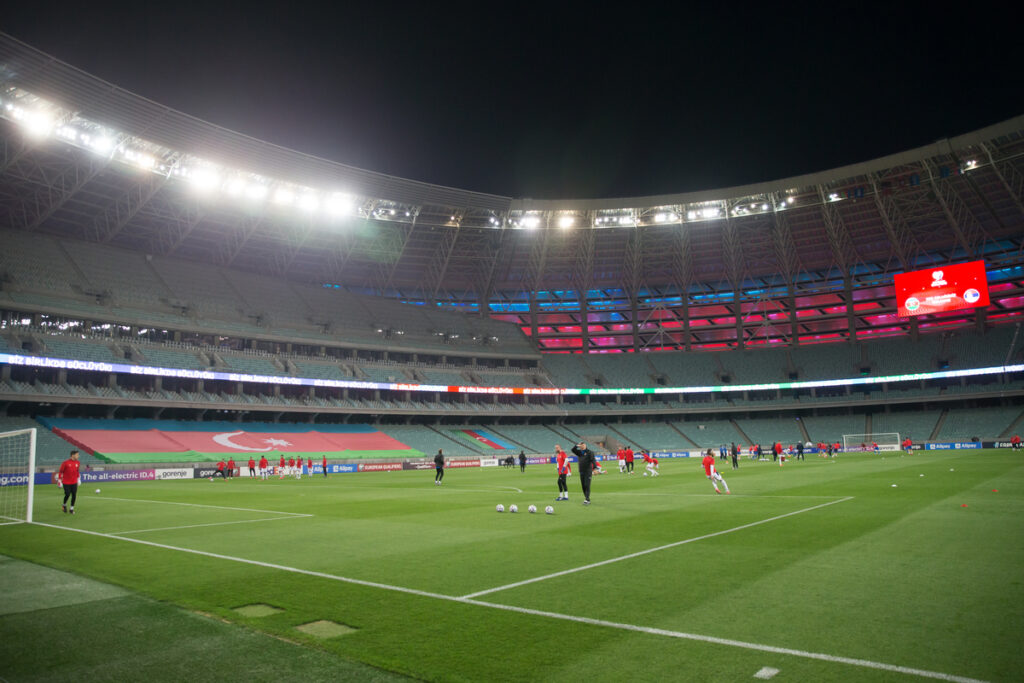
861,568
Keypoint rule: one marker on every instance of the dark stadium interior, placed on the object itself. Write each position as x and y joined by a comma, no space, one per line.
782,281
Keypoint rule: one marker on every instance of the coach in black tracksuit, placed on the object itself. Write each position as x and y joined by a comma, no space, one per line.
438,467
587,461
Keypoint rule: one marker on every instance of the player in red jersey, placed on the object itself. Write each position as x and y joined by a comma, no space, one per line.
252,467
264,467
907,446
652,463
281,468
711,473
67,477
325,465
219,472
231,467
1015,442
629,459
563,467
621,455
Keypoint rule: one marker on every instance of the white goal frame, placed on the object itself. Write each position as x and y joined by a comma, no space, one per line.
887,441
18,468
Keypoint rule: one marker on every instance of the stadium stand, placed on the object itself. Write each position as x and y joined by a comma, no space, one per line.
964,424
51,450
830,428
710,433
766,431
917,424
651,435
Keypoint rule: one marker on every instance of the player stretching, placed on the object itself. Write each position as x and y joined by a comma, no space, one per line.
652,463
712,473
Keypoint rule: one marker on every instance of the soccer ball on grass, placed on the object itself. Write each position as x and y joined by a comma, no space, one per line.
499,507
513,508
532,509
550,510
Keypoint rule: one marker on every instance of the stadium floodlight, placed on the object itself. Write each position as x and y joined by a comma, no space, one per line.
340,203
256,191
38,124
309,202
531,221
67,133
204,179
566,221
790,199
236,187
710,212
100,144
764,207
284,196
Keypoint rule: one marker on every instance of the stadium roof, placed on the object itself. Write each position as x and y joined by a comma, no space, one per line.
952,200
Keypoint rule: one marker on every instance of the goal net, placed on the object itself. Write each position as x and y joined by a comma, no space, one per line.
17,470
887,441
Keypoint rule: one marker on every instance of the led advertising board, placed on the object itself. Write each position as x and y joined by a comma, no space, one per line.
943,288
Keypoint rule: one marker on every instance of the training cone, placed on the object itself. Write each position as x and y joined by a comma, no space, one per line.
963,505
993,491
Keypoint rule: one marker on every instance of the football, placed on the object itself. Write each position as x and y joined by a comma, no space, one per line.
550,510
645,474
97,490
513,508
499,508
532,508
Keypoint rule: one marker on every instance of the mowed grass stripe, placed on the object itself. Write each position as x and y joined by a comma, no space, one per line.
405,528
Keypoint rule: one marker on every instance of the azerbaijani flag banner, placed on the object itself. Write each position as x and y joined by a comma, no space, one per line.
138,441
486,439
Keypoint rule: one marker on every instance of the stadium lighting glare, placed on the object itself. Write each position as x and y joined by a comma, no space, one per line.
309,202
566,221
790,199
284,196
204,179
256,191
764,207
710,212
67,133
691,215
833,197
101,144
340,204
531,222
660,217
38,124
236,187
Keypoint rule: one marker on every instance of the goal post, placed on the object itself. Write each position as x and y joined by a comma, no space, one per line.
17,475
887,441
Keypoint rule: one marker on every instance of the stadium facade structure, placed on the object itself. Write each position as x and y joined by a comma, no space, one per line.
306,266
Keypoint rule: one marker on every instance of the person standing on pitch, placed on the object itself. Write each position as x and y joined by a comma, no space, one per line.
67,478
522,461
325,465
562,462
586,460
438,467
264,465
252,467
735,457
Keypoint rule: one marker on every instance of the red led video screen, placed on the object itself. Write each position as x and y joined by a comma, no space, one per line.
943,288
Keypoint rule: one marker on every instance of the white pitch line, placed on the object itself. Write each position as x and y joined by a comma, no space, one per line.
200,505
193,526
641,553
863,663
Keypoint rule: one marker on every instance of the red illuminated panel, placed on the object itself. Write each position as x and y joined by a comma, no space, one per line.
940,289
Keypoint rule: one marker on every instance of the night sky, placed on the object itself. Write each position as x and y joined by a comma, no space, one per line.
536,101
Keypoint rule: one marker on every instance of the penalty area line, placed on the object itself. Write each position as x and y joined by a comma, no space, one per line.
641,553
200,505
863,663
193,526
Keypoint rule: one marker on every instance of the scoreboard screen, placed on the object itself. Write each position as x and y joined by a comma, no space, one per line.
946,288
